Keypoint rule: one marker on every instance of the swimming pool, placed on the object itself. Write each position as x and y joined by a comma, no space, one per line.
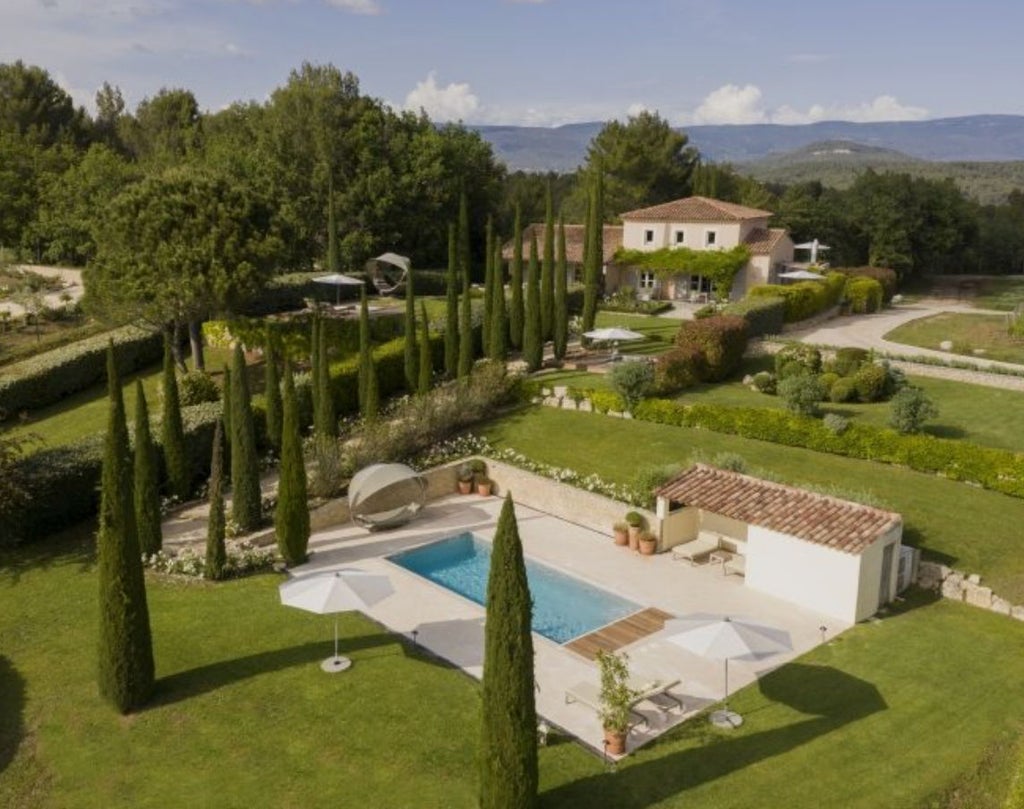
563,607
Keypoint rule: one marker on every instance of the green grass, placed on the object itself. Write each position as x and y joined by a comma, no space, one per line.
19,342
1004,294
973,529
896,714
967,332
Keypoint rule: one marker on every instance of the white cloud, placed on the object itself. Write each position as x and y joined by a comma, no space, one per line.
453,102
634,110
731,104
356,6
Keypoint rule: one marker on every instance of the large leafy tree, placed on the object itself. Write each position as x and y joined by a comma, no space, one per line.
166,130
179,246
508,739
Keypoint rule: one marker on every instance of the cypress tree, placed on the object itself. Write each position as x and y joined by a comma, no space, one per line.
372,405
515,309
595,250
508,749
326,418
246,507
216,553
225,406
498,348
465,329
561,308
272,393
533,347
314,370
179,474
147,479
547,273
125,643
485,330
291,517
366,408
411,353
451,312
426,368
332,230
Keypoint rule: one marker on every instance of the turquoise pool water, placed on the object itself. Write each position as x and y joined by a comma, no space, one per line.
563,607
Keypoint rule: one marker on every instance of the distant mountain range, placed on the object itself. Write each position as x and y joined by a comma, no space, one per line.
969,138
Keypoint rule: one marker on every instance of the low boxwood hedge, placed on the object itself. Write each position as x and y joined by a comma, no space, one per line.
49,377
764,315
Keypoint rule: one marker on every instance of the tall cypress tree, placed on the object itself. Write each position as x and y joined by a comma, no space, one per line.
291,517
147,479
246,506
426,368
516,314
332,229
547,273
485,330
498,348
560,337
314,370
451,311
411,359
179,473
465,328
595,249
371,407
508,743
465,256
125,643
533,347
272,393
366,370
216,553
326,417
225,408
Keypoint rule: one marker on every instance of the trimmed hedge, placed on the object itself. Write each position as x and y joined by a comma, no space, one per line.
864,295
886,277
678,368
806,298
49,377
995,469
721,341
764,315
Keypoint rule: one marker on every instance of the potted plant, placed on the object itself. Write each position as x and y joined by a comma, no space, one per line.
616,699
648,543
465,477
621,533
636,524
483,485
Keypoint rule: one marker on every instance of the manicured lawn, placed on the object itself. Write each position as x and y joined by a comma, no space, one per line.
973,529
967,333
1000,293
890,714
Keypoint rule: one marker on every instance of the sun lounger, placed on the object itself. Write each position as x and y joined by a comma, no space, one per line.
648,689
704,544
737,564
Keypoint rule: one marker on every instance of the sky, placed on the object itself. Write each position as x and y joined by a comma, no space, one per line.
548,62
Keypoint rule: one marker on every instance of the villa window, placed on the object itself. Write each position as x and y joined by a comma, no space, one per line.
679,237
646,280
710,238
648,237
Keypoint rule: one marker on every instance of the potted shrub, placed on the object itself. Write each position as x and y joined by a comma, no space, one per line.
483,485
616,698
648,543
621,533
465,476
636,524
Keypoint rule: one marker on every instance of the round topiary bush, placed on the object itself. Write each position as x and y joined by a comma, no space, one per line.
870,382
797,358
679,368
828,379
849,360
196,387
802,393
765,382
843,390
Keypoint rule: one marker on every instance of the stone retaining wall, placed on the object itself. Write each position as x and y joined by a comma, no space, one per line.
966,587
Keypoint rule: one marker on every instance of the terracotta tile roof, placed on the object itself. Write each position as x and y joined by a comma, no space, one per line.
573,242
817,518
695,209
762,241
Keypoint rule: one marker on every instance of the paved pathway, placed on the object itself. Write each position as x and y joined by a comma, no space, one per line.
72,286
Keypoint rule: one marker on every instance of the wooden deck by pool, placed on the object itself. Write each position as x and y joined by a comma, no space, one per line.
621,633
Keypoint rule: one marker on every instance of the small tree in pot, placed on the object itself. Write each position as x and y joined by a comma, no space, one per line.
465,476
621,533
616,699
635,521
648,543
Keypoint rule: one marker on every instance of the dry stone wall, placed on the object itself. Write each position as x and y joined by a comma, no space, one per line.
966,587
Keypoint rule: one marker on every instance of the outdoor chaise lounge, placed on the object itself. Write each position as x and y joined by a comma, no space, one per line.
647,690
736,564
704,544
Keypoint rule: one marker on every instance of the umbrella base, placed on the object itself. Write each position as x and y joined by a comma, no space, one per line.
726,719
332,665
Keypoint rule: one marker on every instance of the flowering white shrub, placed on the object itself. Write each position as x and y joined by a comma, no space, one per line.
242,557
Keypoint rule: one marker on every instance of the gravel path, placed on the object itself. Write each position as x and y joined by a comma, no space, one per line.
72,286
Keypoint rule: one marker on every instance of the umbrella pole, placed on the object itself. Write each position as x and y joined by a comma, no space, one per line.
725,702
336,641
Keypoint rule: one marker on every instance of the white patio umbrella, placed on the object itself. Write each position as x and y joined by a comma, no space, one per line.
613,333
333,592
338,280
720,637
814,246
801,275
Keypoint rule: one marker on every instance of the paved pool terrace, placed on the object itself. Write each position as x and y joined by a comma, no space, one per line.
451,626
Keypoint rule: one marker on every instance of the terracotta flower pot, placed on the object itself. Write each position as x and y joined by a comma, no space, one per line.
621,537
465,487
483,488
614,742
634,537
648,546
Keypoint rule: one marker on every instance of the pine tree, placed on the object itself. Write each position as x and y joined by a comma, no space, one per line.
516,314
332,230
485,329
547,273
367,373
326,418
125,642
272,394
291,517
465,328
595,250
508,748
533,348
179,474
216,553
147,479
560,337
411,352
451,311
498,347
426,368
246,506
